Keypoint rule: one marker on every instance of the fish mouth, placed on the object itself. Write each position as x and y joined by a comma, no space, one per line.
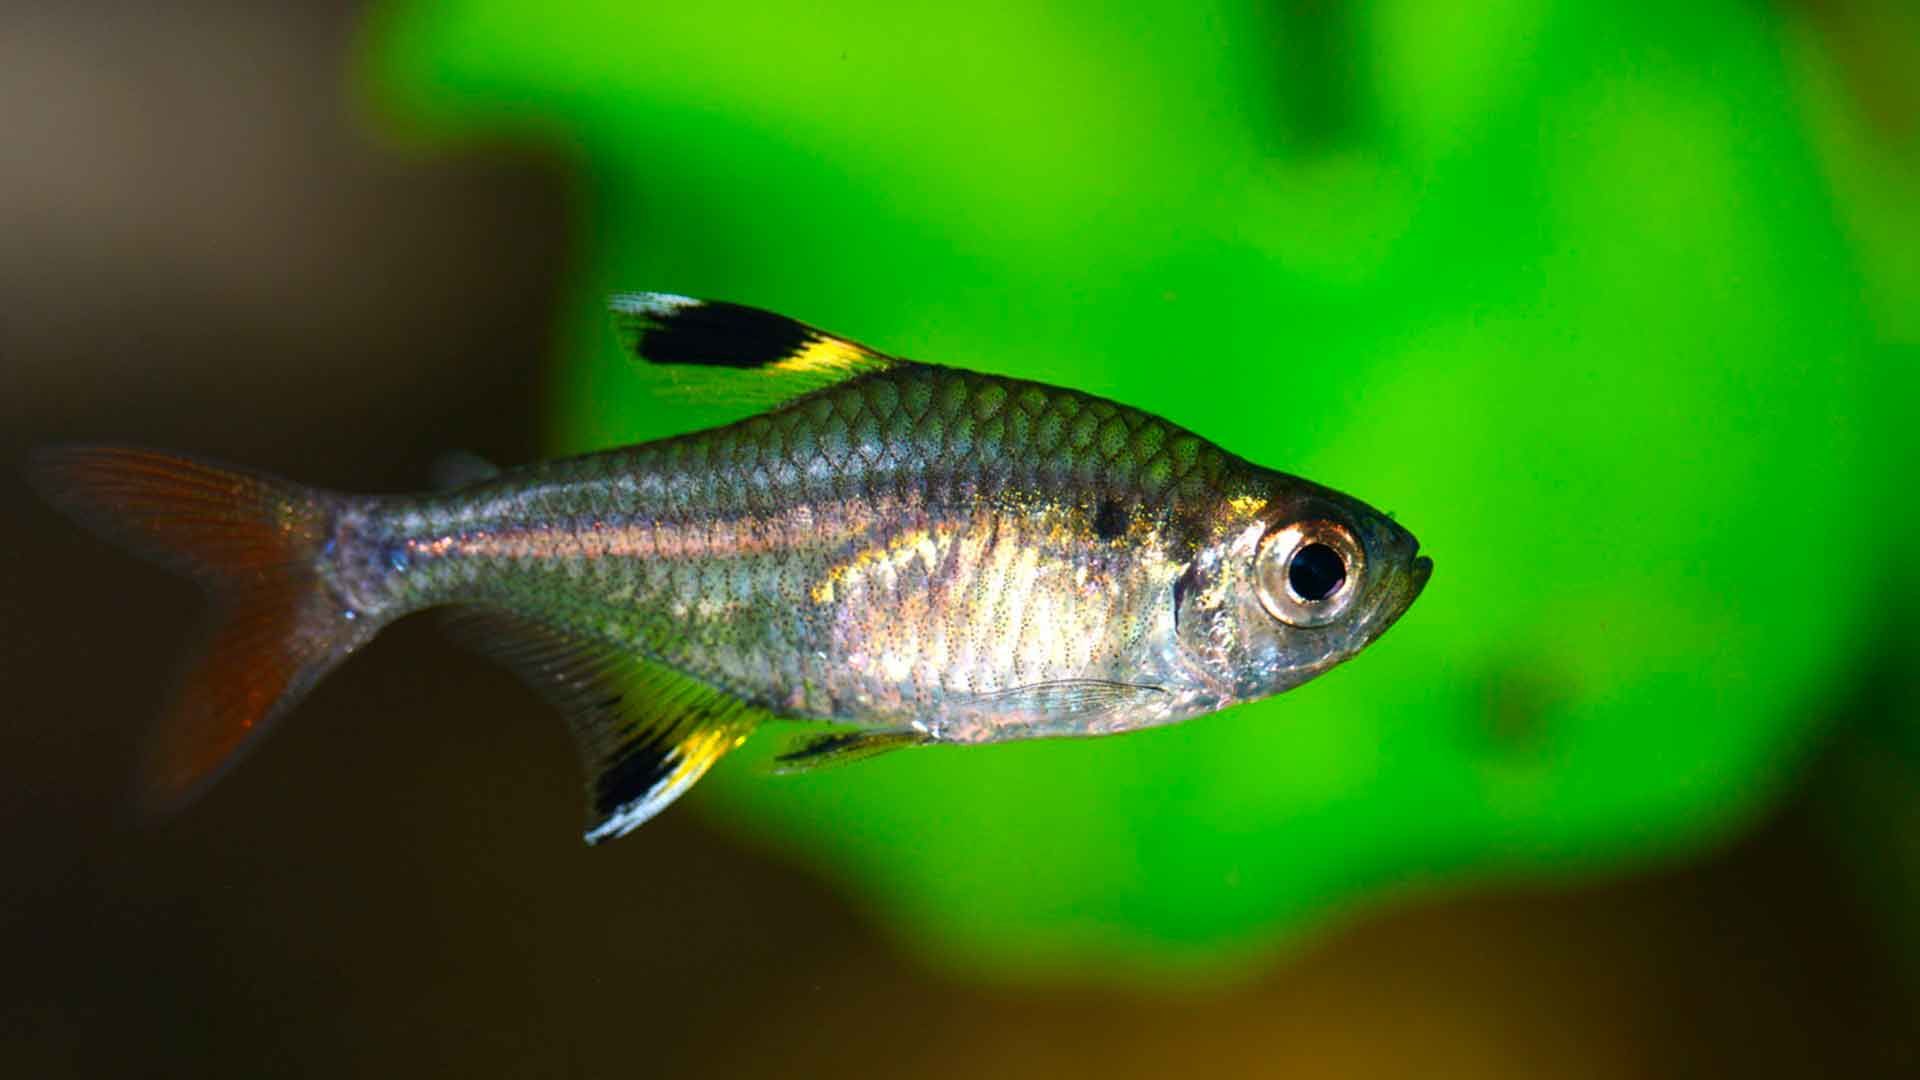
1419,570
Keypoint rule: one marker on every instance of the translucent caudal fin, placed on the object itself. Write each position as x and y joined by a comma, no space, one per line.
255,543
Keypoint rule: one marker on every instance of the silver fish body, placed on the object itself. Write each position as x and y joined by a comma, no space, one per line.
927,554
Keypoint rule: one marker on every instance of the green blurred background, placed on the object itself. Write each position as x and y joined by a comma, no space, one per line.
1617,309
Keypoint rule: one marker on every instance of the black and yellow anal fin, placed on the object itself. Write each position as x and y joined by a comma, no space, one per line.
644,731
733,351
843,747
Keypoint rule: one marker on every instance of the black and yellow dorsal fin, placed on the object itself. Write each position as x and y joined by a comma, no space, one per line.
733,351
644,731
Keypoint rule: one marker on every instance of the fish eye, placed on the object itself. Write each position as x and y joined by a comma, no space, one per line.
1316,570
1307,572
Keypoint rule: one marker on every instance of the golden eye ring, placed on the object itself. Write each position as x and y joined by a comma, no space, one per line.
1308,572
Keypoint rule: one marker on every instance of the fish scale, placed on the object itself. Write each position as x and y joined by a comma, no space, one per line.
551,539
925,553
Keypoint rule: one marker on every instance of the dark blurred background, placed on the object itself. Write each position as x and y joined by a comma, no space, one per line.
201,246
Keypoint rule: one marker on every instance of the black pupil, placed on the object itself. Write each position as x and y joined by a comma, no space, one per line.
1315,573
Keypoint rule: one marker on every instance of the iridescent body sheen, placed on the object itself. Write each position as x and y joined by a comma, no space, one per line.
929,554
907,548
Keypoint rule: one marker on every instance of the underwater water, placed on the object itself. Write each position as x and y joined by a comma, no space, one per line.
1618,311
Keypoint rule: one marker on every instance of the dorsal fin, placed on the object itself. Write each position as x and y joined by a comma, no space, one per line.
715,349
644,731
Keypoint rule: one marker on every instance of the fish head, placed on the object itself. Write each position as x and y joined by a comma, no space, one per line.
1288,584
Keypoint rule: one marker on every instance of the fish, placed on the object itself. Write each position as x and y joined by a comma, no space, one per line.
906,553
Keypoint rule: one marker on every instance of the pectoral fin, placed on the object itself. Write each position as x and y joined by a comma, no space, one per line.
1073,701
645,732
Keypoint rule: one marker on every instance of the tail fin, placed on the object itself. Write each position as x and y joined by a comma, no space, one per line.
255,543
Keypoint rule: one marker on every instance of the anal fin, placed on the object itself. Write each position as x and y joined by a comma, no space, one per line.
645,732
